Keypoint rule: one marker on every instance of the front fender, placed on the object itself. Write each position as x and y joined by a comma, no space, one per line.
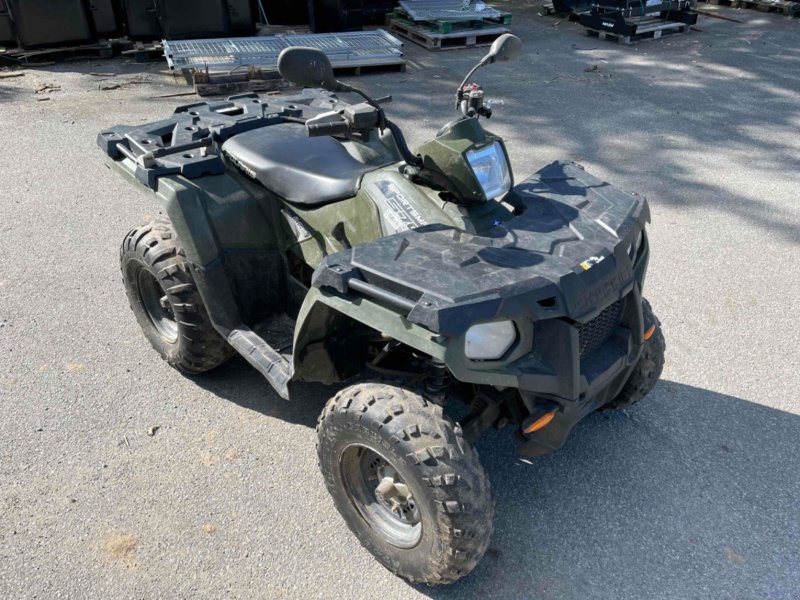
325,313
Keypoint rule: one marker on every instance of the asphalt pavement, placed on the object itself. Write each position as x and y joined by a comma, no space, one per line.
692,494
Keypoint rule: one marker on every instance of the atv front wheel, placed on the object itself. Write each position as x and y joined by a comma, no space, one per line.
407,483
165,300
647,371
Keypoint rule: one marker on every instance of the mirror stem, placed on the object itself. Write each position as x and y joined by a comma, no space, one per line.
343,87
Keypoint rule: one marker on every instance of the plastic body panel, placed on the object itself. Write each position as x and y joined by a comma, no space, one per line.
527,265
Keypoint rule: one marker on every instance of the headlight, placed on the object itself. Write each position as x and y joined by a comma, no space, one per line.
491,168
489,341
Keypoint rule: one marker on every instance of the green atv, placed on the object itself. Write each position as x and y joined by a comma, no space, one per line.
305,235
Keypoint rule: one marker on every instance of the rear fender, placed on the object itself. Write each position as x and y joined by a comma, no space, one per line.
231,234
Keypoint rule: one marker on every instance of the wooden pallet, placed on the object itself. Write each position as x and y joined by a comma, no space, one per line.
237,83
103,49
433,40
141,52
450,26
145,52
786,7
651,29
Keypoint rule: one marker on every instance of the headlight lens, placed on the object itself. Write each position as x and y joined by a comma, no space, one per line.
491,168
489,341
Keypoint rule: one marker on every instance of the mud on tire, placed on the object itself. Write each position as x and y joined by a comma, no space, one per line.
440,468
176,323
645,375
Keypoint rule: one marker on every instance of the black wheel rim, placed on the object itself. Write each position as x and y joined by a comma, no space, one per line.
381,496
157,306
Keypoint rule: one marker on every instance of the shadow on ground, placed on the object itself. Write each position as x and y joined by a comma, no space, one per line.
241,384
688,495
8,93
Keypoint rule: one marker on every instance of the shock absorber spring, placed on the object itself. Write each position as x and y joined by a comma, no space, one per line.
437,381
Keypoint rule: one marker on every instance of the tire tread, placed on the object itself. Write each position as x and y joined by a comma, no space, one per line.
200,348
446,464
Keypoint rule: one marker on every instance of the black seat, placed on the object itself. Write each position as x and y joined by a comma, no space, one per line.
302,170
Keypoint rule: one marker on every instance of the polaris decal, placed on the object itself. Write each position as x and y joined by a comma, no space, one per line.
592,261
603,291
395,209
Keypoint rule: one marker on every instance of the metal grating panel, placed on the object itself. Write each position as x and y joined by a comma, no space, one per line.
343,49
448,10
596,332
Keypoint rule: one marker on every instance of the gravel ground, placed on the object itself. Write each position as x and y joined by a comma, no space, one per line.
692,494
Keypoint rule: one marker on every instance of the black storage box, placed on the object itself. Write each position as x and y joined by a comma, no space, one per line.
336,15
7,37
375,11
242,17
192,18
51,23
141,18
176,19
287,12
106,17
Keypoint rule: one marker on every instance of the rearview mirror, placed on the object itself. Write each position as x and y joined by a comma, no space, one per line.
307,67
504,49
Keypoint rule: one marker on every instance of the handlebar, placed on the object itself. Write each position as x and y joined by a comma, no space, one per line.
322,129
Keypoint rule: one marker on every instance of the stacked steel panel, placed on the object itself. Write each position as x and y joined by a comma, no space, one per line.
357,48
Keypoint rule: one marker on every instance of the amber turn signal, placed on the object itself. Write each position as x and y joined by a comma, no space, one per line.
540,422
650,331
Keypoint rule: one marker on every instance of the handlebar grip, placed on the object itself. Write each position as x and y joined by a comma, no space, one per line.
322,129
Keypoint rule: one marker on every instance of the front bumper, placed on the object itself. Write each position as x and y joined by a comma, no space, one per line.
575,384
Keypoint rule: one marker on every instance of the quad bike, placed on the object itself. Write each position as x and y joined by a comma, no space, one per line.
305,235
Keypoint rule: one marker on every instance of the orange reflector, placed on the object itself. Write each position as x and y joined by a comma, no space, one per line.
650,331
540,422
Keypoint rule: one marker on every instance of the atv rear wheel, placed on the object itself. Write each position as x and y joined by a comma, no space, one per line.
408,485
165,300
647,371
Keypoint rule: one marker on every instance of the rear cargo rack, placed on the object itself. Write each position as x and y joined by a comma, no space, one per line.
188,143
